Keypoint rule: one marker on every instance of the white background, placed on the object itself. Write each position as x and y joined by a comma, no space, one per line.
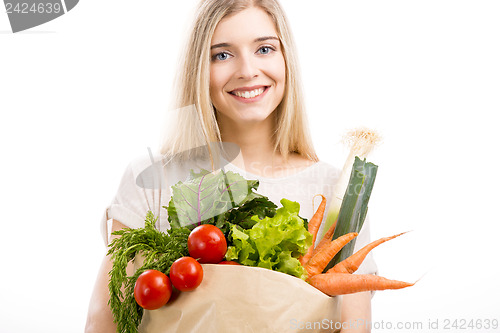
82,95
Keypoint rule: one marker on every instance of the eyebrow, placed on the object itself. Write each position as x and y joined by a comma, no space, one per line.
256,40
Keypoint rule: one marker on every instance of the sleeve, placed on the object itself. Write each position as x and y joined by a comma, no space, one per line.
133,200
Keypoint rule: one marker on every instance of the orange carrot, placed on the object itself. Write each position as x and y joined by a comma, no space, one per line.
327,238
313,228
351,264
315,221
334,284
318,262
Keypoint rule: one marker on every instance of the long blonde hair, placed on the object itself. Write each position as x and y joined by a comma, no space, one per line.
194,123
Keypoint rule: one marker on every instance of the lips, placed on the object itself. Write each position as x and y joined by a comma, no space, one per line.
249,93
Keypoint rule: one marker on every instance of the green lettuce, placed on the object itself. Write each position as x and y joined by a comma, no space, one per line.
273,242
219,198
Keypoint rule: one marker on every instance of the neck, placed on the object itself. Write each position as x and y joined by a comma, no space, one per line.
255,142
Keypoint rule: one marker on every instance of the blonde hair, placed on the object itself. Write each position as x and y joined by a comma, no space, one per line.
194,123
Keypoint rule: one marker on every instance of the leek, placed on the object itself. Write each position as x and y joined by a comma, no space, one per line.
361,142
354,205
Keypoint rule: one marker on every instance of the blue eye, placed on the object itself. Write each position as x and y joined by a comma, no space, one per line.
221,56
265,50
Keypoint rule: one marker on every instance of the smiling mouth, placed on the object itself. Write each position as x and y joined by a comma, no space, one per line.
247,94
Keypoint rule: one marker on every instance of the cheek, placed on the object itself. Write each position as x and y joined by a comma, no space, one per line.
217,83
278,74
213,81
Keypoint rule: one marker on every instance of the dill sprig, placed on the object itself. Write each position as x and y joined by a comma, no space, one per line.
159,251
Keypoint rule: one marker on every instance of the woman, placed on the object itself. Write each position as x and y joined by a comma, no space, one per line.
239,83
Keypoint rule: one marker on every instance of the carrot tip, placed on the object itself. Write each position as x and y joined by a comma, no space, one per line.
420,278
314,197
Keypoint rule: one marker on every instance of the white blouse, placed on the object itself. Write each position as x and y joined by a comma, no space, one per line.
146,183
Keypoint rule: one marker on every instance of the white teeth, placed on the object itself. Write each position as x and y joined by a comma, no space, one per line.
249,94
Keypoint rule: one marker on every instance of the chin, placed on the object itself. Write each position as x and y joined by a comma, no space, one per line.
253,117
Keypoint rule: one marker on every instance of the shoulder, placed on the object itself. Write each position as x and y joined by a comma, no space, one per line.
299,161
323,171
157,171
329,168
145,171
140,162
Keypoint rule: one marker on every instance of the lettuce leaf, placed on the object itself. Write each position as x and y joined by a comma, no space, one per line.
218,198
273,242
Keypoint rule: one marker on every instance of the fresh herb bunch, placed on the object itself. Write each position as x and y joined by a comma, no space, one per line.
159,251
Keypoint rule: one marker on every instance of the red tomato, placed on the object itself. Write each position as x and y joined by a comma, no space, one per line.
152,289
186,274
229,263
207,243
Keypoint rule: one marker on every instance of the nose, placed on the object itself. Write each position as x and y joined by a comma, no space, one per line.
247,68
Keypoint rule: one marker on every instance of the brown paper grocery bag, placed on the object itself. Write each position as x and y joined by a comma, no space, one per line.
246,299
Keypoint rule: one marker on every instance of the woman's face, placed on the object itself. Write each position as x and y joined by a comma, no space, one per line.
247,69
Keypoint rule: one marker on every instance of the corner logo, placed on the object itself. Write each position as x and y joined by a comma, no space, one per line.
26,14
